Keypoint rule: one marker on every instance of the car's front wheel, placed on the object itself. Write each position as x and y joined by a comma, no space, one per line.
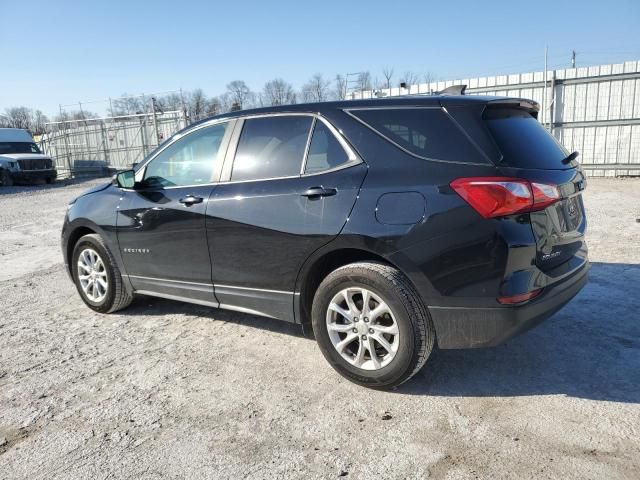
97,276
5,178
372,325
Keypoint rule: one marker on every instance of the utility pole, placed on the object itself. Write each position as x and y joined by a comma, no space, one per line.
155,120
573,59
544,94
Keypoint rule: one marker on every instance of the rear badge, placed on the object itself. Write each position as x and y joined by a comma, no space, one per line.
549,256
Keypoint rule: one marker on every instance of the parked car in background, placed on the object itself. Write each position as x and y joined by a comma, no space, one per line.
21,160
383,226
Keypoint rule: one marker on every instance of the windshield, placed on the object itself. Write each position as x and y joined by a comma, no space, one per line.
18,147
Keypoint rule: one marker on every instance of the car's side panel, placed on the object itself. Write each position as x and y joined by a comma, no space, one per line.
97,212
261,232
163,241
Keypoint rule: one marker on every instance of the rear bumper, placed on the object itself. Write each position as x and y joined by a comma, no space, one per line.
27,175
466,327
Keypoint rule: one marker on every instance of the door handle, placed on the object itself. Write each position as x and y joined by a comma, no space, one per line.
191,200
317,192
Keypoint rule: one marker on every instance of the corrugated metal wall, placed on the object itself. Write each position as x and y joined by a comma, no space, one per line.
595,110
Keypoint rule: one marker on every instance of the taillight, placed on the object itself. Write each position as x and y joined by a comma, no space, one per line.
499,196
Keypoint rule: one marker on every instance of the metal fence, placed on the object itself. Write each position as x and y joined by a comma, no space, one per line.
595,110
101,145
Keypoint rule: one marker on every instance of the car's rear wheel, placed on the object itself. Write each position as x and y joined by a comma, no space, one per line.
97,276
371,324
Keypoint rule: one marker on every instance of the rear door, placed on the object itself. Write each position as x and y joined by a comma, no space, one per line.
288,191
530,152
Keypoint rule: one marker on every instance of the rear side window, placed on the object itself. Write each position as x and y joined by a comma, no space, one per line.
271,147
325,152
524,143
427,132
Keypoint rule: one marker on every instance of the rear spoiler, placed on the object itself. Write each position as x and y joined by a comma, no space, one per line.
522,103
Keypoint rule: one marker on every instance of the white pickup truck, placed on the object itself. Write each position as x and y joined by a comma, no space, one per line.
21,159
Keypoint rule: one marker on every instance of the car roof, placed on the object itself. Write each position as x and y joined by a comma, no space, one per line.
402,101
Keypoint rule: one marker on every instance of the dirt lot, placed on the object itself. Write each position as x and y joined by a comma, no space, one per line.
168,390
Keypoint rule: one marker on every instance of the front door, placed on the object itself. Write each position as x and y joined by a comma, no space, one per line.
288,193
161,222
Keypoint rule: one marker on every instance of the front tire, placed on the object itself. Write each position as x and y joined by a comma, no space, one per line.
371,324
6,179
97,276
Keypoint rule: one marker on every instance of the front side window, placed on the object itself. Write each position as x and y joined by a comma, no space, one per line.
271,147
427,132
192,160
325,151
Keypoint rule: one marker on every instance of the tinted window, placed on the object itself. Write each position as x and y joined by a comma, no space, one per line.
18,147
271,147
325,151
427,132
524,143
189,161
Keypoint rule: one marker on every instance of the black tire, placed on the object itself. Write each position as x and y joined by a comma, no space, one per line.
116,297
50,180
5,178
416,332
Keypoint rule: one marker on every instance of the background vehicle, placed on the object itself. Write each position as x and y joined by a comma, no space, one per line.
383,225
21,159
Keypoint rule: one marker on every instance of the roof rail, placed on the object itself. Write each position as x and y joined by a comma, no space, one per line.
453,90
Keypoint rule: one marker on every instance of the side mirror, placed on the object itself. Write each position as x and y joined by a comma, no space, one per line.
125,179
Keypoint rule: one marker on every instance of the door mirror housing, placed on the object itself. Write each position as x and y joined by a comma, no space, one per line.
125,179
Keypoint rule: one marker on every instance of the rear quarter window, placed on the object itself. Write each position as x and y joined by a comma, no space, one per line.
425,132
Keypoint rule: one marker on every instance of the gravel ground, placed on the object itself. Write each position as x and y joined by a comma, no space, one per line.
169,390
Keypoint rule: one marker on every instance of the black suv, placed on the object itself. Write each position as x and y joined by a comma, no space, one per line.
384,226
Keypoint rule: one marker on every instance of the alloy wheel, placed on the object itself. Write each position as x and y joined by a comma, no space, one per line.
92,275
362,328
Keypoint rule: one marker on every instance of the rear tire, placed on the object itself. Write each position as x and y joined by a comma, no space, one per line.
391,334
97,276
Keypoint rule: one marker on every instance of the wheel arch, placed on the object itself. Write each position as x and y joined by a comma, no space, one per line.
74,235
317,268
81,227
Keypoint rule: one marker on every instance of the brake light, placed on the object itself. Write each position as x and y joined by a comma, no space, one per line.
499,196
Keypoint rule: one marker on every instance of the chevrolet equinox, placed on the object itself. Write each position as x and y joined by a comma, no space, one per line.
382,226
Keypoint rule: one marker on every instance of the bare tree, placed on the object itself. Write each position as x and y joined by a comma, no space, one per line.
316,89
214,106
240,95
410,78
171,102
129,105
277,92
364,81
197,103
387,73
18,117
38,122
429,77
340,87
